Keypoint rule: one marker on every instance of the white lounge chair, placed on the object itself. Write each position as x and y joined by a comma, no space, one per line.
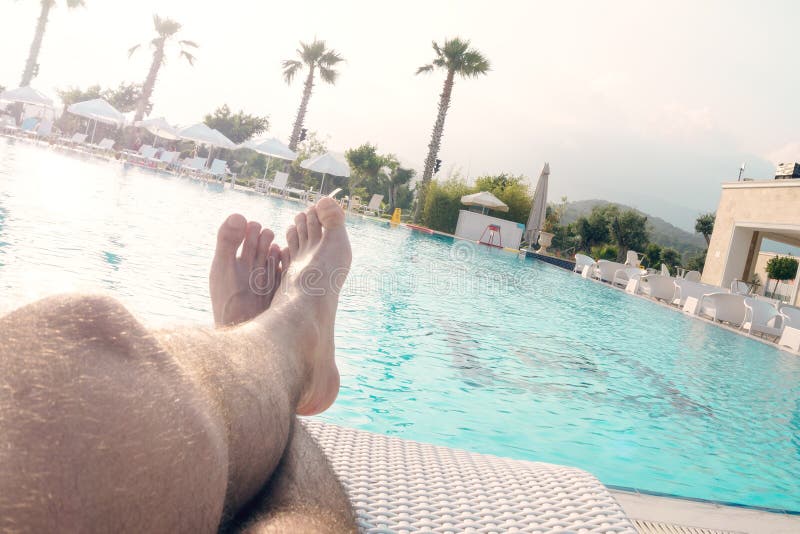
685,289
219,168
657,286
623,276
664,270
790,339
261,185
168,159
106,145
692,276
191,165
76,139
582,260
279,183
791,316
761,317
606,270
739,287
633,258
723,307
399,485
44,130
28,126
374,206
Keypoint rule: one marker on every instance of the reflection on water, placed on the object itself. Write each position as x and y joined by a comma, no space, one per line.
438,341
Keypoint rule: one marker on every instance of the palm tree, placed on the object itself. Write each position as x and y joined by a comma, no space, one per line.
316,57
166,29
455,57
31,66
705,225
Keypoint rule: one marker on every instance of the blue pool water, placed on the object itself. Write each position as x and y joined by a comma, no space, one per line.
438,341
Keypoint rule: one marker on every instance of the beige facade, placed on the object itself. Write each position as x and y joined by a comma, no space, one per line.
748,212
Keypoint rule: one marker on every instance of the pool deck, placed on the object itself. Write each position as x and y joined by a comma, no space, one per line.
669,513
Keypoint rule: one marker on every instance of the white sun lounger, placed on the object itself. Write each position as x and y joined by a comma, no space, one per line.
581,261
76,139
106,145
791,316
625,275
761,317
219,168
685,289
168,159
606,270
279,183
45,129
196,164
723,307
657,286
374,206
397,485
790,339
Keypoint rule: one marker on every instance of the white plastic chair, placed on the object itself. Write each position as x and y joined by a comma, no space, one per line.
189,165
738,287
105,145
692,276
633,258
607,269
279,182
374,206
723,307
218,168
685,289
790,339
761,317
581,261
623,276
168,158
664,270
791,316
657,286
45,129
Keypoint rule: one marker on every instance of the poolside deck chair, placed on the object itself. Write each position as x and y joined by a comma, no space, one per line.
761,317
76,139
279,183
692,276
44,130
192,165
374,206
790,339
685,289
28,126
623,276
664,270
106,145
582,260
606,270
397,485
218,169
723,307
633,258
657,286
791,315
302,194
168,159
261,185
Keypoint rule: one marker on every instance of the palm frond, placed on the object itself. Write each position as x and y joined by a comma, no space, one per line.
330,58
75,3
473,64
425,68
328,75
133,49
290,68
189,57
189,43
166,27
312,52
437,49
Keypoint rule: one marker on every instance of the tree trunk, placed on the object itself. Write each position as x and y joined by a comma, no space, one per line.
301,111
708,239
150,82
36,45
436,141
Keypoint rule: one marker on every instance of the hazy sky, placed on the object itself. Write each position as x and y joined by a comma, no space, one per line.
652,104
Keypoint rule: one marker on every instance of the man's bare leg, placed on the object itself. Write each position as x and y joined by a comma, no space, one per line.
106,426
304,494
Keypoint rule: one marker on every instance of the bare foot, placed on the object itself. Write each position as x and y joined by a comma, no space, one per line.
243,287
319,251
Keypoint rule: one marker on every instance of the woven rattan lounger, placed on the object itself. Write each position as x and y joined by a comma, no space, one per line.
397,485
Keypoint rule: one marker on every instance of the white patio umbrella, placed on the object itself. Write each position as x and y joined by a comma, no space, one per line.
539,207
200,133
159,127
485,200
26,95
272,148
97,110
328,163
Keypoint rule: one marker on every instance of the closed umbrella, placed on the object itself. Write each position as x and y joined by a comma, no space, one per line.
485,200
97,110
159,127
539,207
272,148
328,163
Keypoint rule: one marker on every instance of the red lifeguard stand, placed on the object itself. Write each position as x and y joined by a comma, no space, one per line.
492,229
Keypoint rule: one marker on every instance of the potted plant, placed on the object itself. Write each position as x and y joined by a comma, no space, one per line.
780,268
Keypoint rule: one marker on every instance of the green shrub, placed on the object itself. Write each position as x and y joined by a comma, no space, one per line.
781,268
605,252
670,257
513,191
442,203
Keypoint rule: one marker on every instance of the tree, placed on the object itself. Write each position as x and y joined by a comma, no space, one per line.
399,194
378,173
652,252
311,147
75,94
456,57
316,57
781,268
443,203
166,29
629,231
126,97
238,127
705,226
593,230
31,66
365,164
513,191
670,257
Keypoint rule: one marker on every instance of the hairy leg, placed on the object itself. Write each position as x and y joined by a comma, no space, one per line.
303,495
106,426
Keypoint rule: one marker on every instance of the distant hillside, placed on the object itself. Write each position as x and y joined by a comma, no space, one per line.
661,232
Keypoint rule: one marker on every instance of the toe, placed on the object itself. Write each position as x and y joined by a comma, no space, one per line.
301,222
330,214
251,242
314,226
230,236
293,241
273,263
286,259
264,242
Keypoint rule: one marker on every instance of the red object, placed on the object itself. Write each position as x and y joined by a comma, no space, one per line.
420,228
492,229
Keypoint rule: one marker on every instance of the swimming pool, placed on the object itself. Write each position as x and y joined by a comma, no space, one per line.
438,341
